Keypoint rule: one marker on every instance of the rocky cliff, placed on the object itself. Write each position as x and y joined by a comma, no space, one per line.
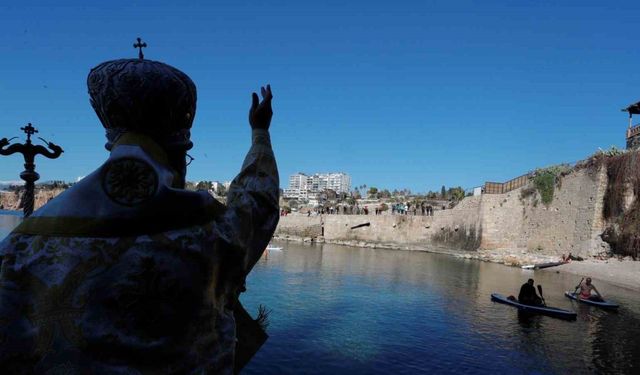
11,200
516,222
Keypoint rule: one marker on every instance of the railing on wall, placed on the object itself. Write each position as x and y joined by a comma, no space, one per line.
633,131
505,187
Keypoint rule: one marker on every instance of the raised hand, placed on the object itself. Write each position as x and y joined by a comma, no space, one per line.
260,113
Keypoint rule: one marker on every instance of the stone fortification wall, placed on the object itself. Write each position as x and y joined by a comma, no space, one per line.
573,222
516,221
301,226
456,228
10,200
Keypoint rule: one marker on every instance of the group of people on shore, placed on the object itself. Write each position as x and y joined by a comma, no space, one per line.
340,210
415,209
408,208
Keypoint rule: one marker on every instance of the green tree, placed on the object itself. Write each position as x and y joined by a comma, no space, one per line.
456,193
373,191
203,185
331,194
443,192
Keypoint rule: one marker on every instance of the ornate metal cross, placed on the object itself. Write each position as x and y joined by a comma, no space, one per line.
29,130
29,152
140,44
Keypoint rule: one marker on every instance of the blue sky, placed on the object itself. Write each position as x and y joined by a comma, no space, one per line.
399,94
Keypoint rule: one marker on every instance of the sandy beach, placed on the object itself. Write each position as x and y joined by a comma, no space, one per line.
623,273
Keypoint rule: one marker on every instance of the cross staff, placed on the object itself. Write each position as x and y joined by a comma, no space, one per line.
140,45
29,151
29,130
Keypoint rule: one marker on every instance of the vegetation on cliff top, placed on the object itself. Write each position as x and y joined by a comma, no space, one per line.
545,180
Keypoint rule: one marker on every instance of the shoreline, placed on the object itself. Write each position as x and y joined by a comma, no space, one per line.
623,273
618,272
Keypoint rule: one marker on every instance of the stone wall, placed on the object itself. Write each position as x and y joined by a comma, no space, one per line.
458,227
516,221
10,200
573,222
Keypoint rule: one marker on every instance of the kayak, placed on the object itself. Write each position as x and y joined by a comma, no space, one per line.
274,248
544,310
603,304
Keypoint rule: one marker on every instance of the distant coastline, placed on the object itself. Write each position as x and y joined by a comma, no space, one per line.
11,212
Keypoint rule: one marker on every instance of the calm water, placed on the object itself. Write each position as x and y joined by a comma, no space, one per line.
341,310
8,220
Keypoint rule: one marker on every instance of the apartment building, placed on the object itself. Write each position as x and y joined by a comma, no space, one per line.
305,186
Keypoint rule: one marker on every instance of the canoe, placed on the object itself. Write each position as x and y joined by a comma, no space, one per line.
547,265
541,265
544,310
604,304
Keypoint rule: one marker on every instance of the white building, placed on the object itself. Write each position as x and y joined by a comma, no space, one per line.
305,186
297,186
339,182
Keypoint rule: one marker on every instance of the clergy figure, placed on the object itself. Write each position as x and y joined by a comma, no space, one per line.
127,272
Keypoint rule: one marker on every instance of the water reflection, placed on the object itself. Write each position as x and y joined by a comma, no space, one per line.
614,338
343,310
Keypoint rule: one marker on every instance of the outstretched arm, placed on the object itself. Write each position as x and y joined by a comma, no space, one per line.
252,200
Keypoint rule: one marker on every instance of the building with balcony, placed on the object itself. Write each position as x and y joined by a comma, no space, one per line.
633,131
306,186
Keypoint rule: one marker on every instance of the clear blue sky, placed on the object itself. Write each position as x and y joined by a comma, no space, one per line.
398,94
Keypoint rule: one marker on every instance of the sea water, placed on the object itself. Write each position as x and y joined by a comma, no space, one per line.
344,310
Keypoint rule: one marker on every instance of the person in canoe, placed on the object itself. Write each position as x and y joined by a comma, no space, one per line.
528,295
585,291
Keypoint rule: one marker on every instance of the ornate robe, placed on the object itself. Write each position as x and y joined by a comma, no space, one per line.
125,274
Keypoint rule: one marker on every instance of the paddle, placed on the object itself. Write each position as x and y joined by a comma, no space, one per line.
578,286
540,290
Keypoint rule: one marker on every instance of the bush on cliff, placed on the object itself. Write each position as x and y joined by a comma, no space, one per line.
623,172
546,179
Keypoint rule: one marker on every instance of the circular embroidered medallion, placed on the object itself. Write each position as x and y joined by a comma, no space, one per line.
129,181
